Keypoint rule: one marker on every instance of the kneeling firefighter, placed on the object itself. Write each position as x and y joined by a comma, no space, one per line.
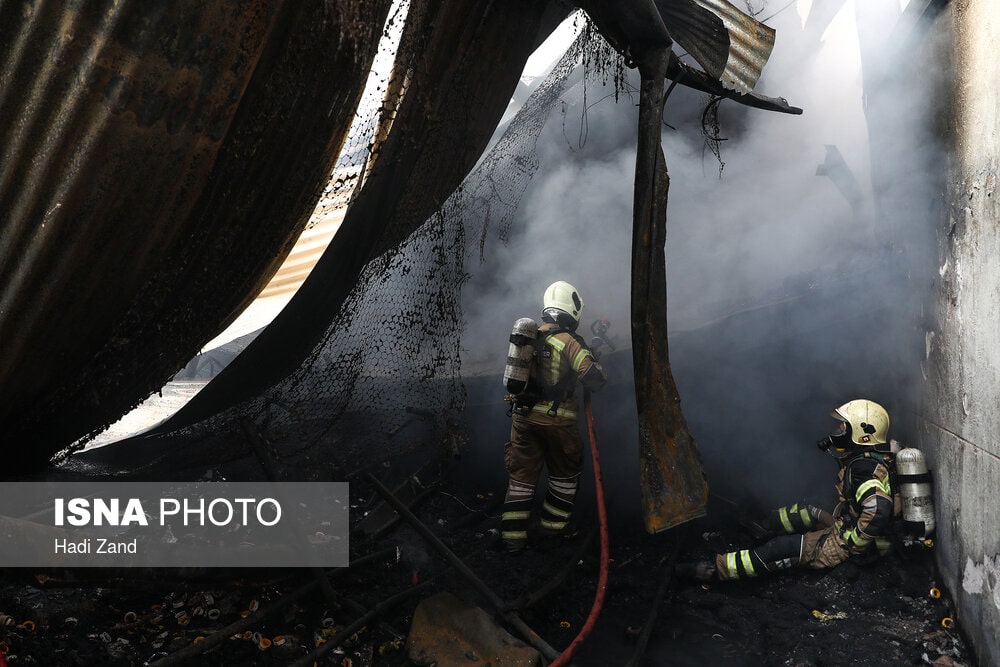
543,368
807,536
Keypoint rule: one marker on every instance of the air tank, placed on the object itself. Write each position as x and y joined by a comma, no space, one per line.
519,354
915,488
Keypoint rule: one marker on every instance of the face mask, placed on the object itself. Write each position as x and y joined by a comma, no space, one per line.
838,442
841,441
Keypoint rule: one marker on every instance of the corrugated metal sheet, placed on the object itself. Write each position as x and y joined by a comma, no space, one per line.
698,31
451,109
729,44
750,45
157,161
111,121
307,250
323,224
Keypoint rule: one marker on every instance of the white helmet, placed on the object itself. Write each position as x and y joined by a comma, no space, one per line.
868,421
560,300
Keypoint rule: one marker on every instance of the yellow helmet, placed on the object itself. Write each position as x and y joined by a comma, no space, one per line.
563,299
868,421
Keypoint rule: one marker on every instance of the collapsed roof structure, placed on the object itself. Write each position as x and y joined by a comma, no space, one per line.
159,163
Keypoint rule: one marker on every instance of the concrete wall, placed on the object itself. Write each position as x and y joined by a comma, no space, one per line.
959,421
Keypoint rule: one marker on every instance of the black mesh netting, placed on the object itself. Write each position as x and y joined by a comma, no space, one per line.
385,380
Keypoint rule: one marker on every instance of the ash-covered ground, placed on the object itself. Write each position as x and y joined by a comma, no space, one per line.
884,614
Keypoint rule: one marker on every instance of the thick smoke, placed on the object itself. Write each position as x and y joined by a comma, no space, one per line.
786,298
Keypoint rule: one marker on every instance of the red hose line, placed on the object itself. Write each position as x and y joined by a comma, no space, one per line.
602,515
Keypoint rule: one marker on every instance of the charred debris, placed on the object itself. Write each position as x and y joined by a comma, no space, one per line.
428,584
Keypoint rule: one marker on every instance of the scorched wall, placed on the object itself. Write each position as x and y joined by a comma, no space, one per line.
959,421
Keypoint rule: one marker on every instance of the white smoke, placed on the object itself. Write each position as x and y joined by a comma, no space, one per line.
768,230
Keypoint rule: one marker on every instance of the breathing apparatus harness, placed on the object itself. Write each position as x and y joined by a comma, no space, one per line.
896,527
538,390
832,444
885,458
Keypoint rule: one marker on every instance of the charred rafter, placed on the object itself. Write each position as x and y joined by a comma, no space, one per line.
686,75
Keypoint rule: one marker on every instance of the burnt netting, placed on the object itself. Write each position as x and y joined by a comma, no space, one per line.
386,380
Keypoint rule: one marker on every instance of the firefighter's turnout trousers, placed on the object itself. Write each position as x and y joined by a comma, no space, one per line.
807,536
812,537
534,442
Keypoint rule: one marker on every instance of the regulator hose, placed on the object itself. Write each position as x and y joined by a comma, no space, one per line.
602,515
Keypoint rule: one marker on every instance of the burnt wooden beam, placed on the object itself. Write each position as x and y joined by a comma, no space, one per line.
688,76
671,477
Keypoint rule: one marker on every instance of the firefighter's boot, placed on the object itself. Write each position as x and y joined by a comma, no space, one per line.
697,571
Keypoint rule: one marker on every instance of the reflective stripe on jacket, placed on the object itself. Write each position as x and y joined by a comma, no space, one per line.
869,503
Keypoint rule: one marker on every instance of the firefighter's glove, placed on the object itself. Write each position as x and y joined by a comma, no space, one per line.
822,517
595,343
841,531
847,520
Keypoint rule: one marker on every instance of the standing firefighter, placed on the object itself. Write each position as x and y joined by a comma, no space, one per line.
544,428
808,536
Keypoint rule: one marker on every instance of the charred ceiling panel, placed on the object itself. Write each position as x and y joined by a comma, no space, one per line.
730,45
633,27
111,120
157,161
463,61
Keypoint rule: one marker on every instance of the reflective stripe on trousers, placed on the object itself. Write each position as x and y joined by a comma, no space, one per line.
795,519
558,505
516,512
779,553
736,565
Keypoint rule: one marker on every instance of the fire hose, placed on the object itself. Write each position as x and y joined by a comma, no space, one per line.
602,515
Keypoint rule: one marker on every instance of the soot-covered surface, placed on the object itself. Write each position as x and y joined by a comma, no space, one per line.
879,615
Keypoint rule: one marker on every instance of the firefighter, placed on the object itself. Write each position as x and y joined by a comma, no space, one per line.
806,536
544,429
